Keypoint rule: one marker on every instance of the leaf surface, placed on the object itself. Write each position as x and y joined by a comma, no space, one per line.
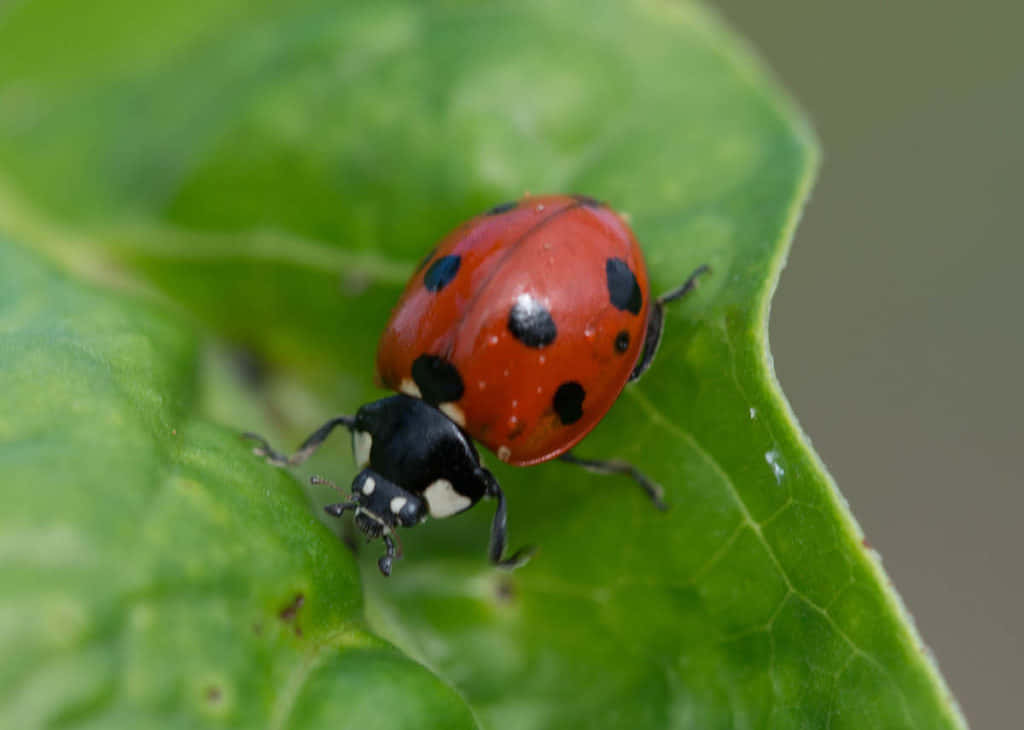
277,170
153,572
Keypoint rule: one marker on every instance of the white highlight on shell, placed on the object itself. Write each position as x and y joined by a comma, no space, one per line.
369,485
453,412
409,387
397,503
504,453
753,413
362,442
443,500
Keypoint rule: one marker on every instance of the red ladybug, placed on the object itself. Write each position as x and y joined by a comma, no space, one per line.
519,330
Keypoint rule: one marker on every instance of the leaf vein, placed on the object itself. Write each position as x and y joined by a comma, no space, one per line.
655,414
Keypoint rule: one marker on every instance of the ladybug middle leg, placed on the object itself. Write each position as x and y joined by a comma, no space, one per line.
499,529
652,338
311,444
656,320
654,490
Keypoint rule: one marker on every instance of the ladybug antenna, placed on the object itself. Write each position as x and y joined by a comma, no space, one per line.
317,479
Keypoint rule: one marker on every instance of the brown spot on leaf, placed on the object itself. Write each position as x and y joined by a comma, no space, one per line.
505,589
289,614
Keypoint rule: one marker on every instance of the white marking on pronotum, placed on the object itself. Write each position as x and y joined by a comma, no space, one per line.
504,452
369,485
397,503
443,500
409,387
362,442
772,457
454,412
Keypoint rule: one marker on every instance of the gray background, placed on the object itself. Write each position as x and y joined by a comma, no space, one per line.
897,329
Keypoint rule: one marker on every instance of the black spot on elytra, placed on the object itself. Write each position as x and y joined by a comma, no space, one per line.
622,341
437,379
530,322
568,402
623,288
503,208
441,272
587,201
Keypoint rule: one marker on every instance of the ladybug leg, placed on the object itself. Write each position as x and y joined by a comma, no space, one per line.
656,320
262,448
498,534
337,510
385,561
653,489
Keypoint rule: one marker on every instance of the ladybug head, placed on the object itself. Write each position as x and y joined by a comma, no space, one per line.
380,505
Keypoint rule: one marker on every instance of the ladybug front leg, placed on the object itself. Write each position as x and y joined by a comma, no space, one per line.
656,321
308,446
654,490
499,528
339,508
385,561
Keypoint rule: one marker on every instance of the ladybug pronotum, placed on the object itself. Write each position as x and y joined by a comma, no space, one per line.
519,330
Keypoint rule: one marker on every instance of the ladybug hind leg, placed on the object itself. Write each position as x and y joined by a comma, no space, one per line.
654,490
656,320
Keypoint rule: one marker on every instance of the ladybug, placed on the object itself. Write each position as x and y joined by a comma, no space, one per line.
519,331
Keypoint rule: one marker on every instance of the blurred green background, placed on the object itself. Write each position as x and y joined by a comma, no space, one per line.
896,328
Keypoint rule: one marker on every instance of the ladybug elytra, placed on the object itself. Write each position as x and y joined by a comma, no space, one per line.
519,330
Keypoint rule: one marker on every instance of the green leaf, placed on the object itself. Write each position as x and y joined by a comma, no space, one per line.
276,171
153,572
